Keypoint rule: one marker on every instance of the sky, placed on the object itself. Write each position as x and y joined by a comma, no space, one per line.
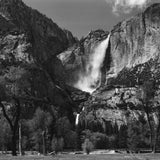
82,16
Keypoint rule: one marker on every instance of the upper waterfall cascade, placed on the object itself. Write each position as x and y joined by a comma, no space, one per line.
91,79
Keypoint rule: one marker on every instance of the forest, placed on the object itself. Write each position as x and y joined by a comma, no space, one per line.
32,123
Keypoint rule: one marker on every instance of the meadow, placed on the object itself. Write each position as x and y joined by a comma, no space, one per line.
86,157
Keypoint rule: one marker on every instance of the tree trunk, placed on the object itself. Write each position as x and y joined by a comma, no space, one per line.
13,122
151,135
150,126
78,139
44,143
156,138
154,144
14,153
20,140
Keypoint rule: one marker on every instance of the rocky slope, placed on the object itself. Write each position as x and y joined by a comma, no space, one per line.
29,43
131,62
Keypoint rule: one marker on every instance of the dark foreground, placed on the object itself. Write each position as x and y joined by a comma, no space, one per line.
87,157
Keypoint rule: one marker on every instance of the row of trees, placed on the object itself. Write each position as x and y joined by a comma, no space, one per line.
41,133
133,137
23,89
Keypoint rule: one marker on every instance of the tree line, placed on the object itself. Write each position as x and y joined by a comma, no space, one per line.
36,116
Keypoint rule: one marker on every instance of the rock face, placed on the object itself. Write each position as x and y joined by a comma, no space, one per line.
132,59
28,38
43,36
135,41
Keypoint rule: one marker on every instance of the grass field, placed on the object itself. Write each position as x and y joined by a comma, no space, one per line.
86,157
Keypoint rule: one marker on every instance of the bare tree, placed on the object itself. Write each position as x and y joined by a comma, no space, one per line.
12,121
148,102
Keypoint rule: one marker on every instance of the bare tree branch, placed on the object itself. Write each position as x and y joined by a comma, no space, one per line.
34,99
18,112
6,116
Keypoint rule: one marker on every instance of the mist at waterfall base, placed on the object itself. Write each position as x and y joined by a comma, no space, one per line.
91,79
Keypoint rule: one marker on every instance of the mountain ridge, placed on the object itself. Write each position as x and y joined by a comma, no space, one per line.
131,62
29,43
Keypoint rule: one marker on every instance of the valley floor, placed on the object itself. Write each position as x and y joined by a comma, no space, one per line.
87,157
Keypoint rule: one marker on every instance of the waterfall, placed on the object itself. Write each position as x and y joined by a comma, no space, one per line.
91,80
77,119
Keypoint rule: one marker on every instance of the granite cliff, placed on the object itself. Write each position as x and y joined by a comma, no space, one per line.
29,44
131,61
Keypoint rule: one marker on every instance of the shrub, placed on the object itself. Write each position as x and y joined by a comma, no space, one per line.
87,146
70,140
57,144
138,135
99,140
112,141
